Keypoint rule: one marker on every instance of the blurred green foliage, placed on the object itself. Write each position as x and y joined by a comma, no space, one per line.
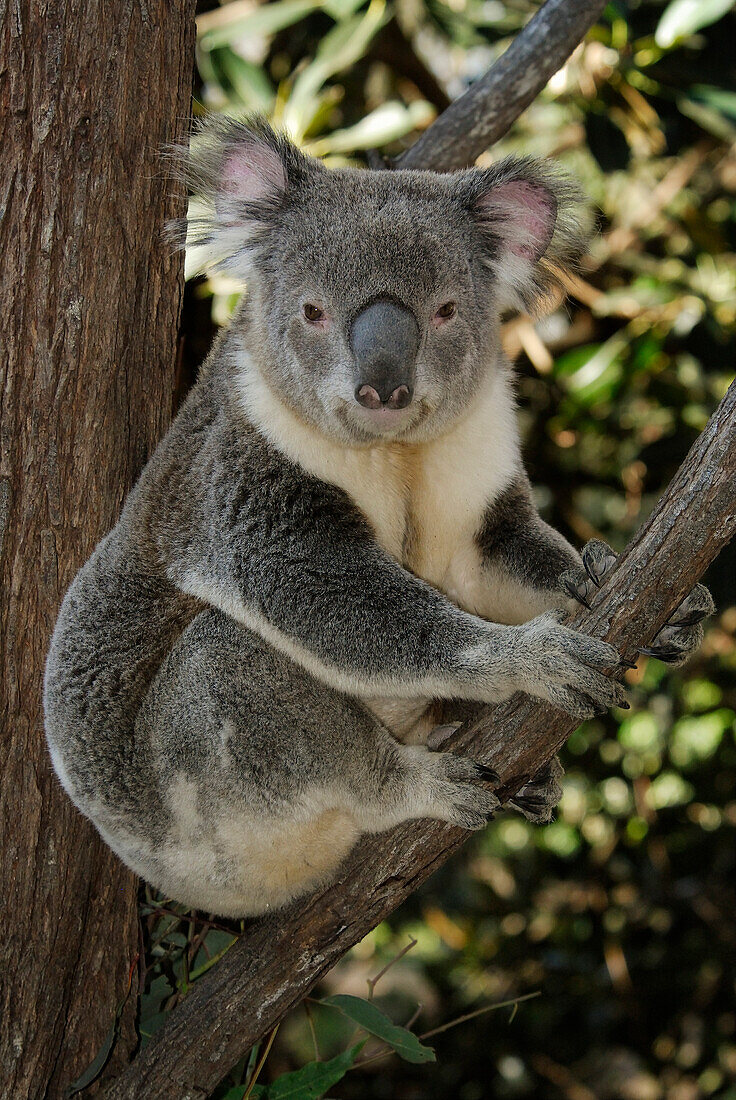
621,913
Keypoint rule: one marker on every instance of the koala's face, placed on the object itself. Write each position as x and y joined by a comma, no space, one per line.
374,296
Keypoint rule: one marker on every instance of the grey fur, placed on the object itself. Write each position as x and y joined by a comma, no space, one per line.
209,680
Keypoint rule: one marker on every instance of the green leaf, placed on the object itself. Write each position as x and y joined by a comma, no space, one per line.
720,99
265,21
377,1023
311,1081
341,9
710,120
248,81
94,1069
592,373
388,122
683,17
342,47
96,1066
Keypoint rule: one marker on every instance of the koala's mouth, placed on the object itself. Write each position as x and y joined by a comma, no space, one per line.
384,422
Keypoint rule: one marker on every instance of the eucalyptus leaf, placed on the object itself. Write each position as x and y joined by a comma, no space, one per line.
249,81
308,1083
369,1017
342,47
684,17
387,123
341,9
720,99
266,20
96,1066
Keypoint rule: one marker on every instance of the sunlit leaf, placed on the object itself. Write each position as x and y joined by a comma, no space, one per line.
720,99
683,17
249,81
265,20
339,49
387,123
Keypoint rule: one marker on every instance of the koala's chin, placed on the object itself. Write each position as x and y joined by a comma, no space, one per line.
361,427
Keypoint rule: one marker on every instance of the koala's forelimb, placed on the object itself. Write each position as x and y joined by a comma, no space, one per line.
310,577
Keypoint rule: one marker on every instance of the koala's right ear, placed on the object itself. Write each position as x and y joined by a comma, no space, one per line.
241,174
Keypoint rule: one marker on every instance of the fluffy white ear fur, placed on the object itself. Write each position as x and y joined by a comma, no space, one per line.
240,174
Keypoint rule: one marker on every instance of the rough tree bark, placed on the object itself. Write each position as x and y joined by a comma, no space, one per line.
279,958
91,296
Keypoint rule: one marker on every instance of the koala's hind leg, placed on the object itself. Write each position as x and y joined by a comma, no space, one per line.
269,776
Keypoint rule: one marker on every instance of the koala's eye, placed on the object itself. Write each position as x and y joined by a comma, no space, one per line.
445,312
313,313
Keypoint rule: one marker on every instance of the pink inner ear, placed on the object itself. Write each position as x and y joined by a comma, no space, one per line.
529,212
253,172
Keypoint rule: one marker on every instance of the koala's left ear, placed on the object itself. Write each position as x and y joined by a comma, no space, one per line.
533,225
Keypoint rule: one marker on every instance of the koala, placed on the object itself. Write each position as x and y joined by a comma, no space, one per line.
334,553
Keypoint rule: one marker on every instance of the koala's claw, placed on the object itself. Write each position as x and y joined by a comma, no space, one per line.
457,795
598,559
575,589
566,667
439,734
682,634
582,584
538,798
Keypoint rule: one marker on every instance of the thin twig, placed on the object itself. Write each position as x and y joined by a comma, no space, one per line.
373,982
261,1060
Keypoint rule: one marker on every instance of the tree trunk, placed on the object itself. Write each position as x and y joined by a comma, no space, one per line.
90,297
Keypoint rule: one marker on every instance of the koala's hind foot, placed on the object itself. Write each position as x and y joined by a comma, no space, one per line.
537,799
441,785
680,636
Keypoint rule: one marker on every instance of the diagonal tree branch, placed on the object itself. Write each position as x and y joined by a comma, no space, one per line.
280,957
490,106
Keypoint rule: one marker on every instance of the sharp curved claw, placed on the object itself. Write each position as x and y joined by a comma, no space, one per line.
594,578
692,619
488,773
528,800
664,653
573,592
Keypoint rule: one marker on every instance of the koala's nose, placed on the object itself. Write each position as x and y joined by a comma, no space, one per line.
384,339
371,399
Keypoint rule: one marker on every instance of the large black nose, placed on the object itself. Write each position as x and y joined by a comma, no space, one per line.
384,339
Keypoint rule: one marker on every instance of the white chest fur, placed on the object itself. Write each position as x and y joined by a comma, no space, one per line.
425,501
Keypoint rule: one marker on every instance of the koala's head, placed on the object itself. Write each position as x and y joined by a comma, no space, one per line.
374,296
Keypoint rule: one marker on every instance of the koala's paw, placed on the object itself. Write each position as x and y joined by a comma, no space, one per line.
581,584
682,634
565,667
537,799
439,734
457,793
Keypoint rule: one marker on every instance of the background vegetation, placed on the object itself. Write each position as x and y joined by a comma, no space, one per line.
620,914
